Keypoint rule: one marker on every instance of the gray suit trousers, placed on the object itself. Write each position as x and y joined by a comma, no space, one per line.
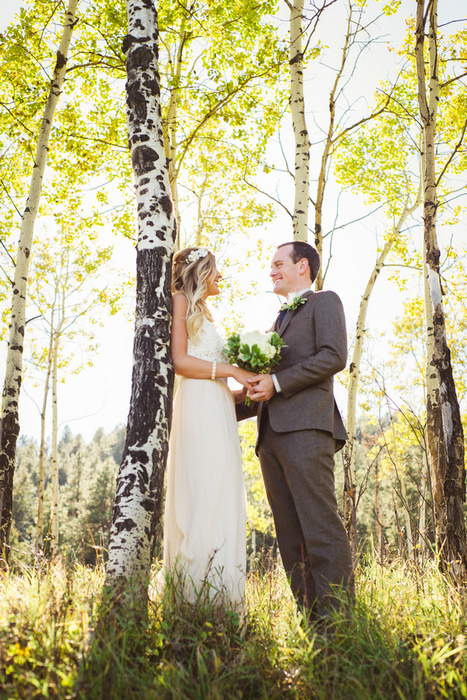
298,473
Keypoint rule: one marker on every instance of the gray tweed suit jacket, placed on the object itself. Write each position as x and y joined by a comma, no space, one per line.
316,350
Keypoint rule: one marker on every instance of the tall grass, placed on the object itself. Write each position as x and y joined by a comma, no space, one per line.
406,638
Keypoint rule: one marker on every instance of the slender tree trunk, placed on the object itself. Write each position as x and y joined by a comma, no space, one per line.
379,528
54,520
447,464
56,334
407,517
326,155
39,549
403,497
171,129
335,132
400,533
138,499
253,548
350,516
302,142
422,501
11,389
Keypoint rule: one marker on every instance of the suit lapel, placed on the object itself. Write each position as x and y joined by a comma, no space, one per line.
285,322
289,315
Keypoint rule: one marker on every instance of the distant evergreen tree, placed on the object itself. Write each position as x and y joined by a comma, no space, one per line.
25,493
87,474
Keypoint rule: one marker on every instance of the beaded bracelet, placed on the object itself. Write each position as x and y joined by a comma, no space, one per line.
213,373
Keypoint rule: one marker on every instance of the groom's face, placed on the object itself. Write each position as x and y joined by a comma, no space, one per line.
286,275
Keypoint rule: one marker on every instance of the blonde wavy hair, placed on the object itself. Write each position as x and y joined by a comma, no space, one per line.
192,279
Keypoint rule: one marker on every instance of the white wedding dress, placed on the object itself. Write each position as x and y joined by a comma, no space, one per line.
205,509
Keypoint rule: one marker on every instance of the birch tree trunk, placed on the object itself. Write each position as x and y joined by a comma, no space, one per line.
138,499
434,421
335,133
297,107
326,155
11,389
170,130
447,465
350,515
39,548
56,334
54,521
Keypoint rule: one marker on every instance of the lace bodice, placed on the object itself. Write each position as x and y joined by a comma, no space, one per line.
208,344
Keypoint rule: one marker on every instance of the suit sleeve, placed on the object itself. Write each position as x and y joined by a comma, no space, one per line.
243,411
331,347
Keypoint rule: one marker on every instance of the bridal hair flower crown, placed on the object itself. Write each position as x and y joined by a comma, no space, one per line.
196,255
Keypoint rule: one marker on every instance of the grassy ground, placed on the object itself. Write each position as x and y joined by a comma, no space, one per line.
405,639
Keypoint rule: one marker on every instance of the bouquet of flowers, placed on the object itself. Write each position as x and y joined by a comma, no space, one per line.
255,351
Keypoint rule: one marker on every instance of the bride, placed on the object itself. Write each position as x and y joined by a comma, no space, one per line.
205,509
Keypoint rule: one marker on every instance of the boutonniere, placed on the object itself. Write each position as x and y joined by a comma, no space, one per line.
294,300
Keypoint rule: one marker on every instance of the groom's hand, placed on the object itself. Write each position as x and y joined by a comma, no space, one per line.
261,387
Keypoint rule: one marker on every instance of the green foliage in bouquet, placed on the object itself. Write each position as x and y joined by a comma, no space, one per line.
257,352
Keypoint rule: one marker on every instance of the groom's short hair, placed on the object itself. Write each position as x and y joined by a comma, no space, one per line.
302,249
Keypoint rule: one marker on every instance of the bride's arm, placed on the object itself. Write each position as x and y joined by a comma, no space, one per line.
192,367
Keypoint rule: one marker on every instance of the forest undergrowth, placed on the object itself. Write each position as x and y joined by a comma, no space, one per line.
406,638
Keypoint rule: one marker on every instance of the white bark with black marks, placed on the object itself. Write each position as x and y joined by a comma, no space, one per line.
447,449
350,515
171,124
138,499
9,428
297,108
54,518
39,547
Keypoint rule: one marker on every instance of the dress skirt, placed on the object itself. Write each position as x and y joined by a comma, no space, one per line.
205,511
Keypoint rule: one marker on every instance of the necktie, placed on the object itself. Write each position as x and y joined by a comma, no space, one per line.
280,317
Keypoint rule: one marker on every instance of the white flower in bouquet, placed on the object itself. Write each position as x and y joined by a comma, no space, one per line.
255,351
262,340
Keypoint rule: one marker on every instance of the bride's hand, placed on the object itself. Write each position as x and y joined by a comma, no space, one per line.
240,394
242,376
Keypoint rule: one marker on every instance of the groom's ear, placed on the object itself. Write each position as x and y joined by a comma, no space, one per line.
304,267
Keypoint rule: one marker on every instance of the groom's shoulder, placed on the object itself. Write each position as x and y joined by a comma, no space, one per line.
327,303
326,297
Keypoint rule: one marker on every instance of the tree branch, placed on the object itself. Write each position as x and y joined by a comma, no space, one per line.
17,210
453,80
274,199
456,148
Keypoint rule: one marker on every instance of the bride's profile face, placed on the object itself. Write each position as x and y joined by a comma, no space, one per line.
213,286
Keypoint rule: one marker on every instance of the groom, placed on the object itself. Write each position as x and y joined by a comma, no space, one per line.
300,428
